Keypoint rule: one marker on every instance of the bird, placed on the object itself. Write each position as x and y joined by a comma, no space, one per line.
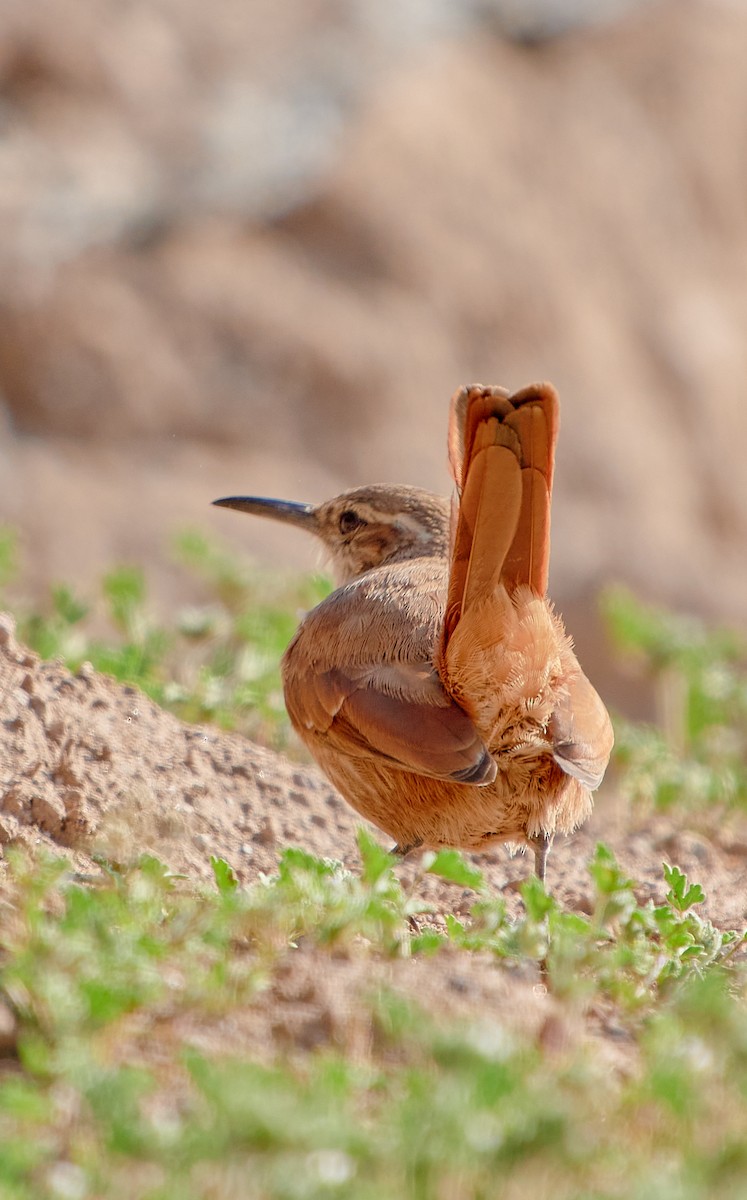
436,686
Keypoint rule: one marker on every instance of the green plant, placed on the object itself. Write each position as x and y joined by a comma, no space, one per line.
143,1071
696,754
218,662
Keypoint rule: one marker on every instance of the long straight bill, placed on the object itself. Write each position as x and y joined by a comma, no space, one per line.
288,511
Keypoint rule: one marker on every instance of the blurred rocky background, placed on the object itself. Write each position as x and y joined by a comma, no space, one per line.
254,246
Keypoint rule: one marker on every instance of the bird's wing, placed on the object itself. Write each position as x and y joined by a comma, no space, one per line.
369,693
417,729
581,732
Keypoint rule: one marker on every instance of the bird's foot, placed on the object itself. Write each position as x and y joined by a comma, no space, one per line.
403,851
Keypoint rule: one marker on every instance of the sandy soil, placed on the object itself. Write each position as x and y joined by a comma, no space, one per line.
571,210
91,767
88,766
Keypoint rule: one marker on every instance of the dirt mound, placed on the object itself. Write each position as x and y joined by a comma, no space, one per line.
88,766
93,766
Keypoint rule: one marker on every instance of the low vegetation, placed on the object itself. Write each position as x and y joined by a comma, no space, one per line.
151,1040
129,1083
217,662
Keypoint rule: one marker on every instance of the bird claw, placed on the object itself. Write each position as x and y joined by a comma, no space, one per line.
403,851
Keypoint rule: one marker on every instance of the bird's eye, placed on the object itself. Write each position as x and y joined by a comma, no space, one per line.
350,521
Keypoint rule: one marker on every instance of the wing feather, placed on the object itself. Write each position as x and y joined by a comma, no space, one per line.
581,732
404,716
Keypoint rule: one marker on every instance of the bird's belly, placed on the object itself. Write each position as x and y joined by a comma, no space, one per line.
529,796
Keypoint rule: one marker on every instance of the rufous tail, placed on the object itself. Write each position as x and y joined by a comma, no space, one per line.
501,454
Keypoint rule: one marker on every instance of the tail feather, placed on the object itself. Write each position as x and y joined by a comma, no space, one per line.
501,452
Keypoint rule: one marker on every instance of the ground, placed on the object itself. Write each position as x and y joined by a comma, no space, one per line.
92,769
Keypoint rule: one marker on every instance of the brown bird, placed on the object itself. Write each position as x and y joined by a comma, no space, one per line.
436,687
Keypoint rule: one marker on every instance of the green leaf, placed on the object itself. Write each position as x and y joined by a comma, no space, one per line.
680,896
124,589
427,942
451,865
67,606
295,861
606,873
225,877
536,900
376,860
454,928
20,1098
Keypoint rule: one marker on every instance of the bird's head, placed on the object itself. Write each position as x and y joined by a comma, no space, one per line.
364,528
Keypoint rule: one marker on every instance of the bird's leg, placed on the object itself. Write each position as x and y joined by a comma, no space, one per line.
403,851
541,844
